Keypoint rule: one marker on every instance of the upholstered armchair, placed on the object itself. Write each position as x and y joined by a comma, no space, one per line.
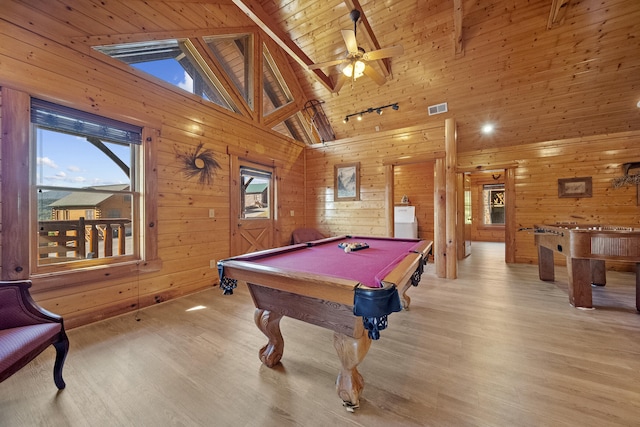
26,330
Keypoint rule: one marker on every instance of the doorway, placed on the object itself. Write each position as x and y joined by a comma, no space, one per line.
252,207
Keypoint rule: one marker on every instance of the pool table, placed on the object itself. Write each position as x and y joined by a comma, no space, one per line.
348,290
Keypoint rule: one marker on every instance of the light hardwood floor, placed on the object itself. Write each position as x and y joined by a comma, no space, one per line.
496,347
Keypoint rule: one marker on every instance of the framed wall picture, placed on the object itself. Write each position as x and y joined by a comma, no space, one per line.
346,182
574,187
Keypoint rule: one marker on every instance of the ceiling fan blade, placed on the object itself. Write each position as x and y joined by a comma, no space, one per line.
340,81
327,64
385,52
349,37
370,72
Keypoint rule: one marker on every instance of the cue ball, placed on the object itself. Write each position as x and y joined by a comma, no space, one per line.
347,250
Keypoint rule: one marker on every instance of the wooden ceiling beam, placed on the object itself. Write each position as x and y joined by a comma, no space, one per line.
458,15
558,11
264,21
385,64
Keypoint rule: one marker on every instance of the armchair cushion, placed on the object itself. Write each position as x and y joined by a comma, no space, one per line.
26,330
25,341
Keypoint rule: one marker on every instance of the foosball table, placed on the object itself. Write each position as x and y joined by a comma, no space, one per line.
586,247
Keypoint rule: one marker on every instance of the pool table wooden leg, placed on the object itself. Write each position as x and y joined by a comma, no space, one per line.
404,298
351,352
269,323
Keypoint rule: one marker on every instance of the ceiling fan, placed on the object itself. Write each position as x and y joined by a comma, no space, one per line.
357,58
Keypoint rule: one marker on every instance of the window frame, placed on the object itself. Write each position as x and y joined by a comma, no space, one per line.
17,236
486,203
193,57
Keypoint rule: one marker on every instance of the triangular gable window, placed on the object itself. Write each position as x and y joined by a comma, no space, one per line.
296,128
174,61
275,93
235,54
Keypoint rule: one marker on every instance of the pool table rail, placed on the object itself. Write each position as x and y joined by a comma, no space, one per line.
408,271
314,285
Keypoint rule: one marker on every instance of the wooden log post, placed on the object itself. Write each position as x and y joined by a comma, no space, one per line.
439,218
451,199
389,199
510,224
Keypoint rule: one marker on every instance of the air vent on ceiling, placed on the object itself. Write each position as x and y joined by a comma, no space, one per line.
438,109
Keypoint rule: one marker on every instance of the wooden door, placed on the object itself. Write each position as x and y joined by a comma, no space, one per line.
252,211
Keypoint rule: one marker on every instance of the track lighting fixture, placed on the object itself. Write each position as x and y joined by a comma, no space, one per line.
378,110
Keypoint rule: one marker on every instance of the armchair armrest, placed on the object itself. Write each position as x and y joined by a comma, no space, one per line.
26,330
18,307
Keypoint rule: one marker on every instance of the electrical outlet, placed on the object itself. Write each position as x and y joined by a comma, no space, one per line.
292,212
212,263
212,213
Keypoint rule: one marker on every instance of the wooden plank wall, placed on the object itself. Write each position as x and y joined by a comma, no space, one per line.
368,215
416,181
540,165
187,238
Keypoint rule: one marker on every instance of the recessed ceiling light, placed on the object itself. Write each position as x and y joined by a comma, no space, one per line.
487,128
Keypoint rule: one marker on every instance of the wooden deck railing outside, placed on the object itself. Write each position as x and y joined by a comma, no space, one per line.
66,240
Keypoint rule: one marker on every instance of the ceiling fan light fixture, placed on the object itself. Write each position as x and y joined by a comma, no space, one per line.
354,69
348,70
358,69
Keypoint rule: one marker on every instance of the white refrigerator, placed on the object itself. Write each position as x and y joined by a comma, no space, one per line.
405,222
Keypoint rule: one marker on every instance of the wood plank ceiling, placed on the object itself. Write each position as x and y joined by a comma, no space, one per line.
538,69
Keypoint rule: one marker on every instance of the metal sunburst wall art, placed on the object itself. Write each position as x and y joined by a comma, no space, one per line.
200,163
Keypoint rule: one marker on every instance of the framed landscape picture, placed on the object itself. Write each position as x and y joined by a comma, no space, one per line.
346,182
574,187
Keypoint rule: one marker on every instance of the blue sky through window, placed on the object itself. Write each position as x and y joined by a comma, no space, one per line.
168,70
65,160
